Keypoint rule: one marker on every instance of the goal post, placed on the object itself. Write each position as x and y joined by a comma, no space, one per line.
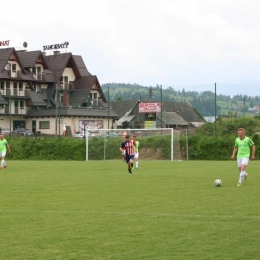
108,141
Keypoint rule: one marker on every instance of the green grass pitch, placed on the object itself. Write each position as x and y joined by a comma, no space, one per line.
96,210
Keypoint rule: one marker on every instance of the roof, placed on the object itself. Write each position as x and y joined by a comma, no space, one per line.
57,63
172,118
125,118
183,109
81,66
123,107
78,97
29,58
48,75
37,99
4,56
84,112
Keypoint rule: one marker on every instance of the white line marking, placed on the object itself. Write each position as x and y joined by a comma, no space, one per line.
134,213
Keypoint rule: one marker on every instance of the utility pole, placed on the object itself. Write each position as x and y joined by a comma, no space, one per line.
215,108
10,117
108,105
56,110
245,98
59,110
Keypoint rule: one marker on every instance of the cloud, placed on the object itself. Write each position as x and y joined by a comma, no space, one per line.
168,42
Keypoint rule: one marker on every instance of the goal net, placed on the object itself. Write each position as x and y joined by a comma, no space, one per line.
155,144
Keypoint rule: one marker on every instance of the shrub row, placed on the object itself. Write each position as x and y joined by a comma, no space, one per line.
200,147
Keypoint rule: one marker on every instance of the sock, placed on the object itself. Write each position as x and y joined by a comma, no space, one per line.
136,165
2,163
241,176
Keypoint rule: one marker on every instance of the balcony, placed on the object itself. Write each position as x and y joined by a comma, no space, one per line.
12,92
97,102
14,110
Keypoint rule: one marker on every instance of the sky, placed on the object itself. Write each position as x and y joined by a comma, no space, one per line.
190,44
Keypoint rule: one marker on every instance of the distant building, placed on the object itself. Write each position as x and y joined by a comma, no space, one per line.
174,115
256,109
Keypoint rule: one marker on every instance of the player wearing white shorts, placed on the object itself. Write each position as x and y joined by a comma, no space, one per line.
137,145
242,148
3,147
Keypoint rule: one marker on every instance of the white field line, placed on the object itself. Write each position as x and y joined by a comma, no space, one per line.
134,213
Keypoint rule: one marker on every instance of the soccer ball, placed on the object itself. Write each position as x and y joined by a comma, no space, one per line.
218,182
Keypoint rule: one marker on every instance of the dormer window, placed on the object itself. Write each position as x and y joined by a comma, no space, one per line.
13,67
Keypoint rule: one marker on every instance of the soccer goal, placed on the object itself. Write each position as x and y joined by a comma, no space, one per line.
159,143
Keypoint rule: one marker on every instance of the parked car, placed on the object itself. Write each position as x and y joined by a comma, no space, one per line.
23,132
80,134
5,130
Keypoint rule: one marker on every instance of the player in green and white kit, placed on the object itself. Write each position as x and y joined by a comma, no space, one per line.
3,147
242,148
137,145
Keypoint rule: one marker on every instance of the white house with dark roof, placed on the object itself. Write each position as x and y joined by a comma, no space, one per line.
47,92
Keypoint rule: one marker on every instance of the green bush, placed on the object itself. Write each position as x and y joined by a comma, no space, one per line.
201,146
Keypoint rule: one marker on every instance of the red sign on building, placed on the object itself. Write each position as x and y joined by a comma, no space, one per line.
4,43
150,107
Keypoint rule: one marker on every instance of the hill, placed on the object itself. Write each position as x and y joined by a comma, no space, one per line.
204,102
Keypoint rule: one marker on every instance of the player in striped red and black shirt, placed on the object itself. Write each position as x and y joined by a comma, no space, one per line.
129,146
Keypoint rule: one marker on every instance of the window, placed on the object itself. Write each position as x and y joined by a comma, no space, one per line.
39,75
65,83
8,91
2,85
15,88
20,86
8,67
44,124
13,67
34,70
21,104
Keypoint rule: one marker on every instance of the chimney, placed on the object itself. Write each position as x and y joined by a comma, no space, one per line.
65,99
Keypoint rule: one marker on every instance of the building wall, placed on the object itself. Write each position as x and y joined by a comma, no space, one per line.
68,72
74,123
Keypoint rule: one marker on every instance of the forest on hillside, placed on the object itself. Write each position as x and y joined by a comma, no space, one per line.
204,101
